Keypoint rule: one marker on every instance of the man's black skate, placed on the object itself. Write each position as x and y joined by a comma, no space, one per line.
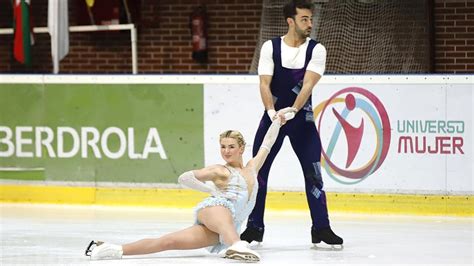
326,235
252,234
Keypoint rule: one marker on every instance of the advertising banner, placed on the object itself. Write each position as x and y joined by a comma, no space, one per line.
100,132
387,134
378,134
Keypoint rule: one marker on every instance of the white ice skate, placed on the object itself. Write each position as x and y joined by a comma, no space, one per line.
241,251
104,251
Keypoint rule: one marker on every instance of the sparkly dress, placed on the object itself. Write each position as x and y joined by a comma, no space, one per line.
237,200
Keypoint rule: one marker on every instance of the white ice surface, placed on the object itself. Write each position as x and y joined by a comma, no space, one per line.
58,235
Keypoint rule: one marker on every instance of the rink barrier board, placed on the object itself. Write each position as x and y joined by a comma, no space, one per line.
449,205
53,101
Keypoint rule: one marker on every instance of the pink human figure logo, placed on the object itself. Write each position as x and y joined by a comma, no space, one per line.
353,134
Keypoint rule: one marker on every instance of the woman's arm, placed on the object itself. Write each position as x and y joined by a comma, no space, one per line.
196,179
270,137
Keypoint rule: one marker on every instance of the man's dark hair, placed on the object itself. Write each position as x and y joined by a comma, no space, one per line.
289,11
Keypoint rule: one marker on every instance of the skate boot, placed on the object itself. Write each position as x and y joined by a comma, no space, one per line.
327,236
241,251
103,251
252,234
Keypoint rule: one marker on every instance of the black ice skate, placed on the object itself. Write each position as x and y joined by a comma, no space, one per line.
327,236
252,234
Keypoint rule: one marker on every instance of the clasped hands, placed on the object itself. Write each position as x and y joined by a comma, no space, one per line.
285,114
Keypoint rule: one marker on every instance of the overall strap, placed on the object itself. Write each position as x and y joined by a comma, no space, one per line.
276,42
309,52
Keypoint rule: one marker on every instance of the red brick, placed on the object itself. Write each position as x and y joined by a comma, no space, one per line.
445,61
455,54
465,35
237,55
464,10
227,49
455,29
464,23
227,61
455,42
445,23
455,67
464,48
455,17
464,61
455,4
445,35
439,17
445,10
445,48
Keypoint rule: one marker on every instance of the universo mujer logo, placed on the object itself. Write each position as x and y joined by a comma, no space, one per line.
359,134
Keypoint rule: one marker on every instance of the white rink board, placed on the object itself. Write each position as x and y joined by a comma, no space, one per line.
233,102
430,102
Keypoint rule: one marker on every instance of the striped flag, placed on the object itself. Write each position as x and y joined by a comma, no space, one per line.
90,3
23,35
58,27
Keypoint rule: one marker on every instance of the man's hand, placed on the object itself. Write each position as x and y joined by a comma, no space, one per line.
286,114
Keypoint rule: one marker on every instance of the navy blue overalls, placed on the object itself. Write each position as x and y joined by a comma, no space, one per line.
304,138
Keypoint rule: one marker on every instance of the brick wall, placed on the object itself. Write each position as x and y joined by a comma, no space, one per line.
454,36
164,40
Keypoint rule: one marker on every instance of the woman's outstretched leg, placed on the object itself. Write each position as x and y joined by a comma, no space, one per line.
216,220
194,237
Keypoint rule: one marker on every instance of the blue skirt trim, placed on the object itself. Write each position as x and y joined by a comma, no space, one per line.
211,202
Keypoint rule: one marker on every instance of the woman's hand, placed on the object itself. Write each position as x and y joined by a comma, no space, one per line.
286,114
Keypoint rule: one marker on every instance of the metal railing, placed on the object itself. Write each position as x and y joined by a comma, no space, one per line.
86,28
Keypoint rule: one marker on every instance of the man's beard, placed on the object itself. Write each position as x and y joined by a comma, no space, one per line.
303,34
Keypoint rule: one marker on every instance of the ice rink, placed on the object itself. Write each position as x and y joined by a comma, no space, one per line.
58,235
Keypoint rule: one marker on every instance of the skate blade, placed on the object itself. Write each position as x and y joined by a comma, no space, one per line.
256,245
242,256
328,247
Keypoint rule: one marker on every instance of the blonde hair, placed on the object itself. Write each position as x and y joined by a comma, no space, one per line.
233,134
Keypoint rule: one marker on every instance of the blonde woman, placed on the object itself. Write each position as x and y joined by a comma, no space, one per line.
218,217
